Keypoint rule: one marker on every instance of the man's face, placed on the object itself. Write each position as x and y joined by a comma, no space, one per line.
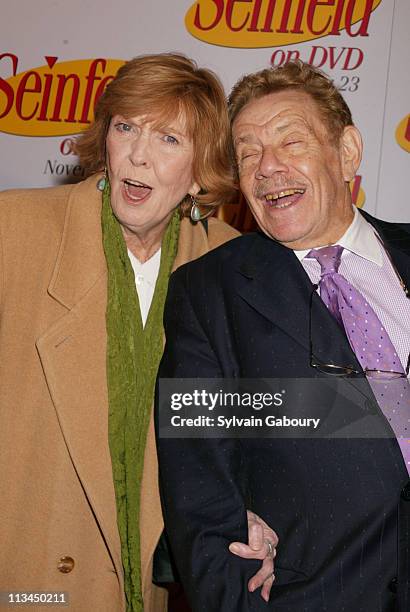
292,174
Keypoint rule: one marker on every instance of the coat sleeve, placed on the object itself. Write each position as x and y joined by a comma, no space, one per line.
200,479
2,272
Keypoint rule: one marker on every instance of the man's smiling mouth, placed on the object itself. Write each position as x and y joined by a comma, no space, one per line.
284,198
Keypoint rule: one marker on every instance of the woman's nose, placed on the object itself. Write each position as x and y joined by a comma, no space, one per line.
140,152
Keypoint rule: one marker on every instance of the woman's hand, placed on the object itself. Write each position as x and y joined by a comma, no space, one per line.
262,545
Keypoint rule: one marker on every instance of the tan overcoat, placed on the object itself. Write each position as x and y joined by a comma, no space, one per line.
58,528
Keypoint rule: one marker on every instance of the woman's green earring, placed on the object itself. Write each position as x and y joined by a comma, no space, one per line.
102,181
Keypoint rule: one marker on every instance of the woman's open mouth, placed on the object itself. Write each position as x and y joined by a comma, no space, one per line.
136,190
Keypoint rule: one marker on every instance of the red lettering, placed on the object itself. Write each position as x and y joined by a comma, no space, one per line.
312,57
407,132
360,56
335,31
229,12
48,78
322,16
5,87
101,88
283,29
362,31
23,89
269,16
36,91
311,15
292,56
219,12
51,60
91,78
255,16
67,146
333,60
281,55
62,82
297,28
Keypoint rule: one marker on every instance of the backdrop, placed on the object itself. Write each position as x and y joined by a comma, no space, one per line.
58,56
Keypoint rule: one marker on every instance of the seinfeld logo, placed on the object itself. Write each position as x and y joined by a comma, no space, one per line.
403,133
55,99
272,23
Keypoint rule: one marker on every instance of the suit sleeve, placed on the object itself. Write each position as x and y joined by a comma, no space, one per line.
202,497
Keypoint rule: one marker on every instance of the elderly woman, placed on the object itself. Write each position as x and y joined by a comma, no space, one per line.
84,272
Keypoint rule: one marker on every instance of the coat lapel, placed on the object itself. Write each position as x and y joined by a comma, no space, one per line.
73,353
273,282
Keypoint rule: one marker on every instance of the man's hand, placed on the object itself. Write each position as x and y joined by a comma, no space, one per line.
262,545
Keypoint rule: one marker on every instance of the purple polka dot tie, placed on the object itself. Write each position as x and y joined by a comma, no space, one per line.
370,343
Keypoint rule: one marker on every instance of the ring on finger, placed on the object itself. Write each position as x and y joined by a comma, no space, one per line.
270,548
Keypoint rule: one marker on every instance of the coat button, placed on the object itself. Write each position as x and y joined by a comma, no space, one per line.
393,585
65,565
405,492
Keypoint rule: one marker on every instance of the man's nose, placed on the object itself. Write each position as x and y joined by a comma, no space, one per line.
270,163
140,152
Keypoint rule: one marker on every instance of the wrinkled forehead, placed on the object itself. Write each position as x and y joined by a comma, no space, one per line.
276,111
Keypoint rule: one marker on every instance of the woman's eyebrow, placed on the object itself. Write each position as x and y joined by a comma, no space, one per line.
171,128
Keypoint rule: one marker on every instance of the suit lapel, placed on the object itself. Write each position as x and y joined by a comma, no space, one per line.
73,353
273,282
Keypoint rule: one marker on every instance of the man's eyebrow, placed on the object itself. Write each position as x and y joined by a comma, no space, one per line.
294,124
243,139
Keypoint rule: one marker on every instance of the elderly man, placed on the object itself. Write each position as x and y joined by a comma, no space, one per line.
319,290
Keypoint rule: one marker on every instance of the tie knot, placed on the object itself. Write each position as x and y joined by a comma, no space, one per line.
328,257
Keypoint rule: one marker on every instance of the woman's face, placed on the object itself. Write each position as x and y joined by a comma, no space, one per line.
150,172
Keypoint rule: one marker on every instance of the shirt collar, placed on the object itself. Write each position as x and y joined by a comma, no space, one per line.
360,238
148,269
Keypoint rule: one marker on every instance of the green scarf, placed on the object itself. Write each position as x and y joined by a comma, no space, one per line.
133,356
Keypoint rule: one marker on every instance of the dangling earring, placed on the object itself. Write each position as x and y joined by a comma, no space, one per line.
195,211
102,181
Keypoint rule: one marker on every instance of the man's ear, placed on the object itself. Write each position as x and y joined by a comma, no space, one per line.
351,151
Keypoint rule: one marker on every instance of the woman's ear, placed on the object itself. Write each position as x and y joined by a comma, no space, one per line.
351,151
195,189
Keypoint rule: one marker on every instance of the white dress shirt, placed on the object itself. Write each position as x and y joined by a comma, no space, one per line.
367,266
146,275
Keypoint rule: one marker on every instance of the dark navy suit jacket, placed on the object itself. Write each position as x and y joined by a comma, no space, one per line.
341,507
